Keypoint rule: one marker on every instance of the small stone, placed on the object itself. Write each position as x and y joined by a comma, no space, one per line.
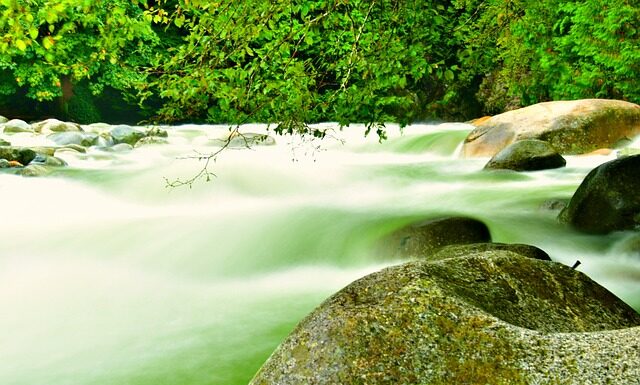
47,160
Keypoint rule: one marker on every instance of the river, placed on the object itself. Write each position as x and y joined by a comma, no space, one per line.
108,277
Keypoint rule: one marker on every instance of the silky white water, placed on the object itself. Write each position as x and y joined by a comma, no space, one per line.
109,277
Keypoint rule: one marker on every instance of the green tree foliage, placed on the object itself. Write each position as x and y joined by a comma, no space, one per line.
304,61
47,42
556,49
294,62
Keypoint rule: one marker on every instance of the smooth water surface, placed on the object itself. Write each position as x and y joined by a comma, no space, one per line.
109,277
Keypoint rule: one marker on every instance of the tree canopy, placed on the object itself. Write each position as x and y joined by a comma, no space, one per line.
301,61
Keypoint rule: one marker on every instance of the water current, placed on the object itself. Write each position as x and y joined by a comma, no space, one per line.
109,277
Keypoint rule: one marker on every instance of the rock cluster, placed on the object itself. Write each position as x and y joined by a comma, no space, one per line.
66,136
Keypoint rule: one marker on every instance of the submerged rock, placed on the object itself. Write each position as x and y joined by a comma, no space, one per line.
527,155
47,160
151,140
488,318
126,134
423,238
4,163
14,126
608,199
84,139
571,126
23,155
34,170
4,142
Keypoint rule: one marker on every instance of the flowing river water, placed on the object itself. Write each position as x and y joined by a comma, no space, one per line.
108,277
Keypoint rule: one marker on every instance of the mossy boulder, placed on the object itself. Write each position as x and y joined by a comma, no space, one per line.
424,237
126,134
570,126
526,155
492,317
23,155
608,199
34,170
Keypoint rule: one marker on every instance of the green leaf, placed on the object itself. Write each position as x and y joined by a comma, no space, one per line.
21,45
33,32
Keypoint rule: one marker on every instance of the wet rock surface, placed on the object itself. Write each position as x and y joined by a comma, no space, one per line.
608,199
526,155
490,317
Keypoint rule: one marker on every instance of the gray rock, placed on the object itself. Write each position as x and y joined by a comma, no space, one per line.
23,155
71,148
607,199
105,140
16,126
85,139
54,125
34,170
4,163
423,238
570,126
126,134
526,155
494,318
47,160
457,251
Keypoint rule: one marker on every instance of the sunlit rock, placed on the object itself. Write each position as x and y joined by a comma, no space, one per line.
34,170
84,139
526,155
15,126
489,317
126,134
54,125
423,238
571,127
608,199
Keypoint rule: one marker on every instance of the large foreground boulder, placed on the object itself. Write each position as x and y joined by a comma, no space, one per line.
493,317
608,198
526,155
571,127
423,238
